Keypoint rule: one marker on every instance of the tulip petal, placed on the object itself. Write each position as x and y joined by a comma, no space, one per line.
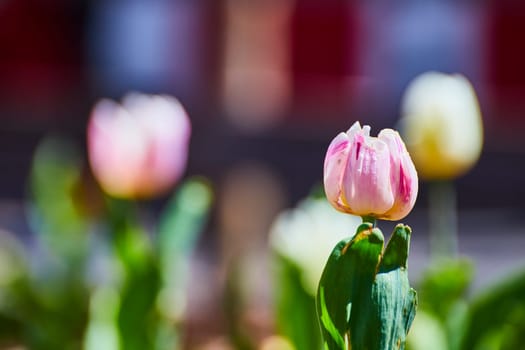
370,176
167,128
366,180
334,166
354,129
442,125
404,179
116,148
139,148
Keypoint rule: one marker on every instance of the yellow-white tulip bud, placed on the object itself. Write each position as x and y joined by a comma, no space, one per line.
442,125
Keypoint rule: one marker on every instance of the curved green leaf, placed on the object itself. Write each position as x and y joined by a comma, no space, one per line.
364,299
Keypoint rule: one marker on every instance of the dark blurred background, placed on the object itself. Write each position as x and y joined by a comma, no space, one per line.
271,81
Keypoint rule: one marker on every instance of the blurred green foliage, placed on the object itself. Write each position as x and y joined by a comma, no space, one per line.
449,319
496,318
296,316
96,281
450,315
92,276
301,241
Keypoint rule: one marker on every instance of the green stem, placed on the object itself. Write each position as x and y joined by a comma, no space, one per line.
129,239
443,220
369,219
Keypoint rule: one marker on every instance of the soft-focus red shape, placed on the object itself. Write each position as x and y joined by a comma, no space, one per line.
138,149
504,56
370,176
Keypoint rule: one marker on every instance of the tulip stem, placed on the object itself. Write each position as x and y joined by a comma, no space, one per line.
443,219
369,219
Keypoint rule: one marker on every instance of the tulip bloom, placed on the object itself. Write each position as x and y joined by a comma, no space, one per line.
442,125
139,148
307,234
370,176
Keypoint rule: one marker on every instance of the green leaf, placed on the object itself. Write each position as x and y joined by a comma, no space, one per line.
181,224
54,180
364,299
327,324
497,318
442,295
346,283
295,306
391,292
444,284
137,315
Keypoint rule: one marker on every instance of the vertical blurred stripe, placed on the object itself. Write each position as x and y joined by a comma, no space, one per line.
505,52
256,84
321,44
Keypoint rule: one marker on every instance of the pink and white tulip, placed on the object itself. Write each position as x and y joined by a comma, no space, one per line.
370,176
139,148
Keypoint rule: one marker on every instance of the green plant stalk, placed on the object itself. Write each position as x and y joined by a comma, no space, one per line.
136,315
234,304
443,230
364,299
180,226
153,294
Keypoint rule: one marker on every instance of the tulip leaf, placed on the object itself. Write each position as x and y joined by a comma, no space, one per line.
364,299
346,284
181,224
497,317
295,306
55,211
396,301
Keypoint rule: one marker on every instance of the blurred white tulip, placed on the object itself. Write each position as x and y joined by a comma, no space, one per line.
308,234
442,125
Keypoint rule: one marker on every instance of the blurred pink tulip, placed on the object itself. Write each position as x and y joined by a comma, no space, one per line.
139,148
370,176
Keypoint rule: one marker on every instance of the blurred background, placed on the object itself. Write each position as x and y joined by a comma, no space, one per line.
267,85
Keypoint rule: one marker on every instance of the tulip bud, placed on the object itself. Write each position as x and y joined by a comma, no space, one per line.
139,148
370,176
442,125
